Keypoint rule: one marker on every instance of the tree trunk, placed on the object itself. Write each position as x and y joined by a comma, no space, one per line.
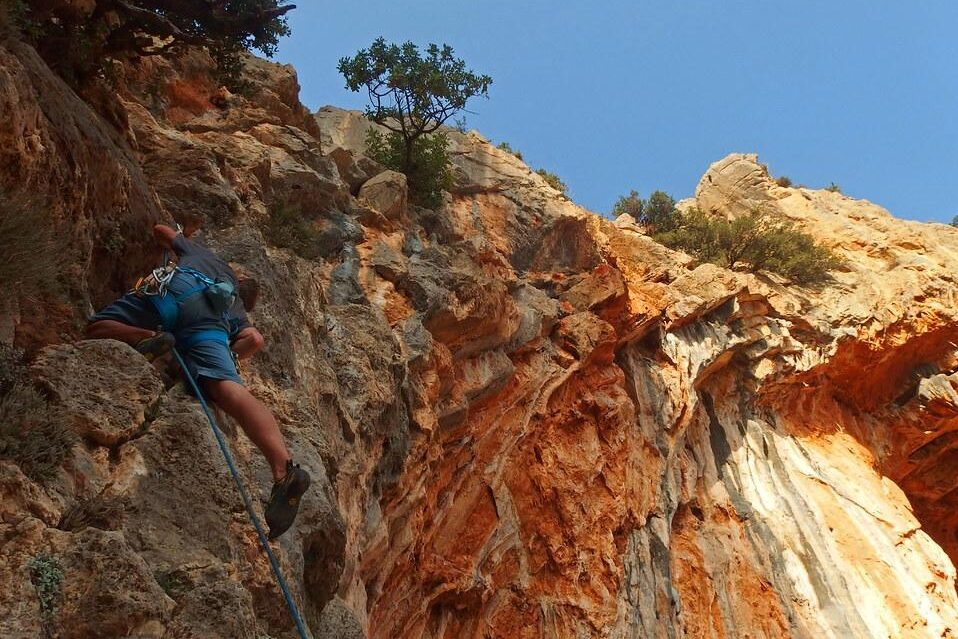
407,155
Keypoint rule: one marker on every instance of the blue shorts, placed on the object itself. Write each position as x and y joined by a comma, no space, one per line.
206,360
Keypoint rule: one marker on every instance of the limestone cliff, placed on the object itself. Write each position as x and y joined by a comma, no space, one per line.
523,420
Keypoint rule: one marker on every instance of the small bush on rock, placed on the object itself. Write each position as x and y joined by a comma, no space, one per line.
505,146
756,241
783,180
657,213
554,181
46,575
630,204
428,174
834,188
288,228
96,512
31,433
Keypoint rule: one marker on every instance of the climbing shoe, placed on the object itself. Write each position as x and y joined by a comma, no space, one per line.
284,500
156,346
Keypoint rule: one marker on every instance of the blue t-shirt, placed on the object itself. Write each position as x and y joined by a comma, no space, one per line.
198,257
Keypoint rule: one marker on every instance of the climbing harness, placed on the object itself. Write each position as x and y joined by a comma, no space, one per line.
218,294
247,501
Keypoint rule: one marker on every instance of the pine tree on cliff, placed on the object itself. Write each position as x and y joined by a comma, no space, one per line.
412,93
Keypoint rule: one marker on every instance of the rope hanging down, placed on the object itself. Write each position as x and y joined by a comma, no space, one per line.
293,610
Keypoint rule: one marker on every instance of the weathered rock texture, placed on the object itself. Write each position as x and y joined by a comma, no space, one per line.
522,419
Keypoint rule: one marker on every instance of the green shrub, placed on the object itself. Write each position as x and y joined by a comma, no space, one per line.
554,181
783,180
756,241
954,221
630,204
31,254
659,212
46,575
505,146
288,228
834,188
428,174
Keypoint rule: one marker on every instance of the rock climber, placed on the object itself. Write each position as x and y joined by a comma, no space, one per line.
197,306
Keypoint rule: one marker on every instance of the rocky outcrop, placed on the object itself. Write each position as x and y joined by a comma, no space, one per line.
386,193
522,419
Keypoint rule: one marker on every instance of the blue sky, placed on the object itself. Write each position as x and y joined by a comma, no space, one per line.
620,95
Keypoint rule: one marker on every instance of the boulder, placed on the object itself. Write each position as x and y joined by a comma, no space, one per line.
387,193
102,388
354,169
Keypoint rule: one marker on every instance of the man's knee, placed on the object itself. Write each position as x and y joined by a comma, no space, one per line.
224,392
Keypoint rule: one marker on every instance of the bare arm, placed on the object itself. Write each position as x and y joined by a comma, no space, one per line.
247,342
164,236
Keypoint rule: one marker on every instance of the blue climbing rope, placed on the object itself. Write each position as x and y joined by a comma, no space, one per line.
293,610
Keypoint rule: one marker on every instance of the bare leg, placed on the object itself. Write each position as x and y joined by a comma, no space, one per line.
256,420
111,329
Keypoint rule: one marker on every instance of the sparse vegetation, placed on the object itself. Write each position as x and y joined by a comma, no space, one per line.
46,575
630,204
954,221
80,43
658,214
554,181
31,433
756,241
428,175
834,188
505,146
412,93
287,227
31,255
783,180
174,583
11,368
96,512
